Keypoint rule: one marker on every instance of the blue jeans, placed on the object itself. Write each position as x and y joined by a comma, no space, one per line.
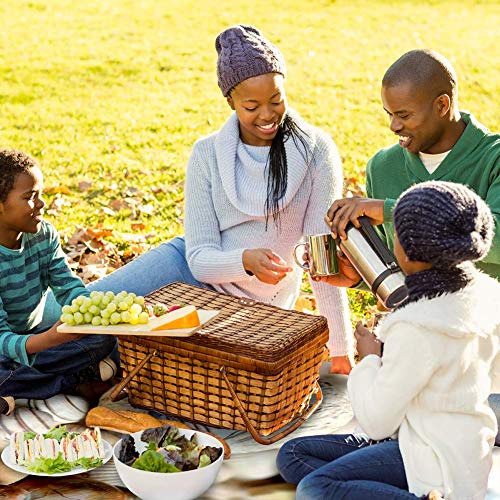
55,370
344,466
159,267
494,401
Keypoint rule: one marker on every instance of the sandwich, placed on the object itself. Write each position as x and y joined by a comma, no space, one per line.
50,448
38,446
17,447
89,446
29,450
95,439
67,449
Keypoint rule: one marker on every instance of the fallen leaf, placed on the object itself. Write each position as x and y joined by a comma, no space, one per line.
84,185
56,189
57,205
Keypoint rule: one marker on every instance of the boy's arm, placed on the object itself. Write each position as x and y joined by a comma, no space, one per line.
64,284
12,344
22,348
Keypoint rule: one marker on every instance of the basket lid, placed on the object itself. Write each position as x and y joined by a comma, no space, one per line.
256,334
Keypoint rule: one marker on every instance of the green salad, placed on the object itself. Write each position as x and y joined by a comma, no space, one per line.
167,451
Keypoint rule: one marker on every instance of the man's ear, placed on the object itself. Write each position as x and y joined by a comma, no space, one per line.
443,103
229,100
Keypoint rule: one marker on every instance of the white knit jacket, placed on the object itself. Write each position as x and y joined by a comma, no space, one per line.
225,192
441,361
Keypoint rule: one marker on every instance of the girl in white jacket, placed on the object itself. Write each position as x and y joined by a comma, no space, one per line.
424,403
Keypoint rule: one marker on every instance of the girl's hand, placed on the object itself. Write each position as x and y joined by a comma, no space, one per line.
265,265
366,342
346,277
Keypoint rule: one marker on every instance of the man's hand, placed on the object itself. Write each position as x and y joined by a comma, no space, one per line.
366,342
265,265
349,209
347,275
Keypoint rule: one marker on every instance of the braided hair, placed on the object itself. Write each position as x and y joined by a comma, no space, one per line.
277,166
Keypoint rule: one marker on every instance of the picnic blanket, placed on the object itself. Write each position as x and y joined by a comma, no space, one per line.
251,471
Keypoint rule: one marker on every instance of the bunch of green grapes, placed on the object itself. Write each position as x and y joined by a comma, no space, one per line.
105,308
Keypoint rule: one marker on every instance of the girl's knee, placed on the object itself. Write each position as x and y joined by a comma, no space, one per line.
307,489
318,487
288,462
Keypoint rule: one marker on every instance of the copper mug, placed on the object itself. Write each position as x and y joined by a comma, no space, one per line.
322,255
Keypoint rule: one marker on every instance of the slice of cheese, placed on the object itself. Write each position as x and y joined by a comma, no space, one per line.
185,317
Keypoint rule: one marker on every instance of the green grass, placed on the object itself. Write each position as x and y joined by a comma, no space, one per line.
116,92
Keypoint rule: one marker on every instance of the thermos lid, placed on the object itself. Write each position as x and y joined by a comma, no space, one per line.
396,297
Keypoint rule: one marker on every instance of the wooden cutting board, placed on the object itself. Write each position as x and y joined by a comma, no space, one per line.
125,329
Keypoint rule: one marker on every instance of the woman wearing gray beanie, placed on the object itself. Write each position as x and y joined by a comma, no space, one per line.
423,402
253,190
259,185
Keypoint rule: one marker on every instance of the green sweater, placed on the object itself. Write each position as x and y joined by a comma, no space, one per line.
473,161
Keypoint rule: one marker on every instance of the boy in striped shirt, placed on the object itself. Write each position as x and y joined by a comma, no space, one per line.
37,361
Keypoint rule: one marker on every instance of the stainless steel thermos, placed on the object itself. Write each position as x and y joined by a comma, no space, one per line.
375,263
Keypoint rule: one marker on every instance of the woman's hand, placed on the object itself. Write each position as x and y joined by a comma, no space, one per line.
341,365
265,265
366,342
349,209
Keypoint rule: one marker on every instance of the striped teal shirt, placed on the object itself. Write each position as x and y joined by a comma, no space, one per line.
25,276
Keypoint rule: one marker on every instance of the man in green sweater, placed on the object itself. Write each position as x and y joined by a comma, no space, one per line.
436,142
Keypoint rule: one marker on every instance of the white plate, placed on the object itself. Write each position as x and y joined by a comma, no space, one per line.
126,329
6,458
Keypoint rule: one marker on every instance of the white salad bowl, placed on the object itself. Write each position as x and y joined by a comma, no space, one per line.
184,485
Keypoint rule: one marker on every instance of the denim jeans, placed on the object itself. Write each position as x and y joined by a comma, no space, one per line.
494,401
159,267
344,466
55,370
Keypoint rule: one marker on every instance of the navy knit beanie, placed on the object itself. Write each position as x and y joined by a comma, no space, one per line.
245,53
443,223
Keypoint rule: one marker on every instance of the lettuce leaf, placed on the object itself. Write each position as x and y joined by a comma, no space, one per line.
50,465
29,435
58,464
153,461
87,463
57,433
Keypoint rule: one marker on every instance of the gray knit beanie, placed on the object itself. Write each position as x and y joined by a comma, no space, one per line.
443,223
244,53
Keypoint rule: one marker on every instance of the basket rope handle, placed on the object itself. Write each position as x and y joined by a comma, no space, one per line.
276,436
113,395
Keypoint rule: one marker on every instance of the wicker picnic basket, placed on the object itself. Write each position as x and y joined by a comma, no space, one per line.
253,367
